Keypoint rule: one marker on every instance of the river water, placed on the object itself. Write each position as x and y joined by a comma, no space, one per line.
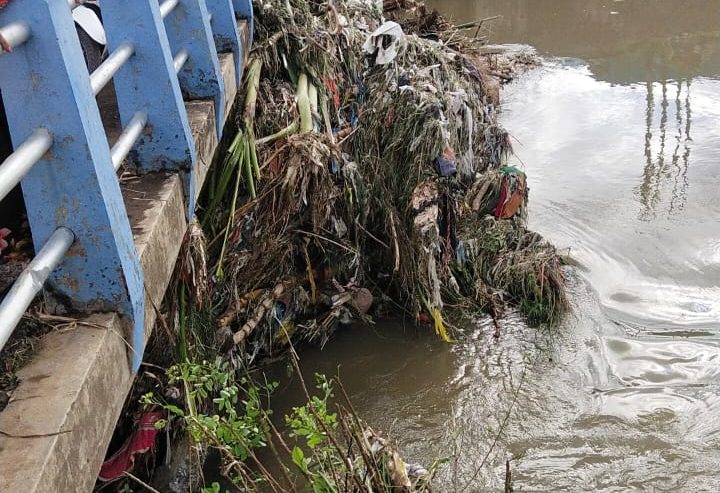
619,133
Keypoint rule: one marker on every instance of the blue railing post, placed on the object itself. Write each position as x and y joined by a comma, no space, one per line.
244,10
225,33
188,27
148,82
46,84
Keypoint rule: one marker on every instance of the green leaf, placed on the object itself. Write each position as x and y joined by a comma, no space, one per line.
175,410
298,457
213,488
314,440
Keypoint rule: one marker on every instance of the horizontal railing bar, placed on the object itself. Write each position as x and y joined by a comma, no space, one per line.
107,69
128,138
17,165
13,35
167,6
180,58
31,281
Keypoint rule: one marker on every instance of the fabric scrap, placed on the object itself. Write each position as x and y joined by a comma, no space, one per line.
513,193
141,441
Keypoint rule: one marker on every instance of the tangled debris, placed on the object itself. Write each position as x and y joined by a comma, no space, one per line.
368,173
369,163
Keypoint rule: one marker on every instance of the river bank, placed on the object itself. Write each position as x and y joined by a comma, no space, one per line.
367,179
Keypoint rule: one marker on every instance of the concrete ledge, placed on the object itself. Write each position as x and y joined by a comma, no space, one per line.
227,67
202,123
244,31
156,208
55,430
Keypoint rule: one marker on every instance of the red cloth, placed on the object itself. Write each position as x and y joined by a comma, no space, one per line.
142,440
333,88
510,203
3,3
503,198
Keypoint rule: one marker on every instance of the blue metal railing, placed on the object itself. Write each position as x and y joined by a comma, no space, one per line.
160,52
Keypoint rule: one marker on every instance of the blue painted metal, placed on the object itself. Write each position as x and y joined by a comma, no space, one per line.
244,10
188,27
47,84
148,83
74,185
225,33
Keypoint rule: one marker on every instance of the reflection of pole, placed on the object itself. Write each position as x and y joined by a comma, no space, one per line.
649,109
676,156
661,155
688,114
648,171
657,171
688,139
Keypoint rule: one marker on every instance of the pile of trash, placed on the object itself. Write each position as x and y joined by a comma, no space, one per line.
369,165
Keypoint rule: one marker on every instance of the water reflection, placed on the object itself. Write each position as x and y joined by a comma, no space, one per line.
659,171
623,162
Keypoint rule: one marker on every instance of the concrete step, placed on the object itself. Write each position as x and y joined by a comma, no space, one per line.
55,431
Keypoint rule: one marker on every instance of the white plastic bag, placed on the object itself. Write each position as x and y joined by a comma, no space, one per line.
375,42
89,22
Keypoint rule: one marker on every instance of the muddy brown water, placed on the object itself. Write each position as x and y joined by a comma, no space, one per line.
620,135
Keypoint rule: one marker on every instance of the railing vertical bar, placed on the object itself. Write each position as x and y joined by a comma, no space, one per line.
226,34
201,77
244,10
